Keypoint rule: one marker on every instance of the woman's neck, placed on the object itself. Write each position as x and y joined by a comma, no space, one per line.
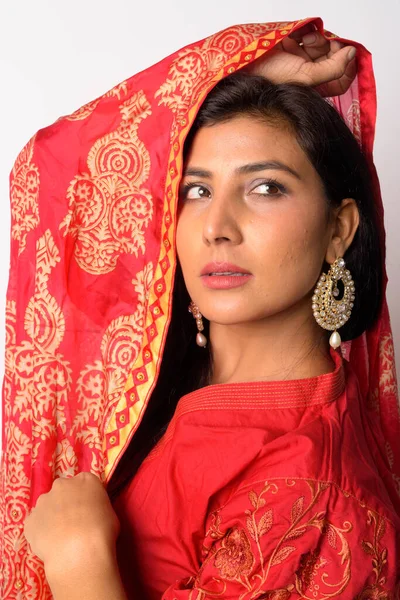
277,348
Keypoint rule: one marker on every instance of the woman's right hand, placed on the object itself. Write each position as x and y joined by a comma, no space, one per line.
327,65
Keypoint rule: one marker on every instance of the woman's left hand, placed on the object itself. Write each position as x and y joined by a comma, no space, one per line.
73,524
308,58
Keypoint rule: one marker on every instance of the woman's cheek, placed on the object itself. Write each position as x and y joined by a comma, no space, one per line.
189,257
289,258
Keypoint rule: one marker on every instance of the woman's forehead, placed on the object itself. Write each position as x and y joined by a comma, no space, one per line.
246,140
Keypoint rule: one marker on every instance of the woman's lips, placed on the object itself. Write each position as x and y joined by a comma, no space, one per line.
225,282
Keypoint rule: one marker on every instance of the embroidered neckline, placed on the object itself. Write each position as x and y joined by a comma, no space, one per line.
295,393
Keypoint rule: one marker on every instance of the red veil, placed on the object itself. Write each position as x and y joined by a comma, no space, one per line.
93,204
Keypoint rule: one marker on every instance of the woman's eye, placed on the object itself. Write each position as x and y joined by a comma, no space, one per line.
268,189
194,192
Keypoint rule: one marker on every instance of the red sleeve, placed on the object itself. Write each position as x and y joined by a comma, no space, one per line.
295,539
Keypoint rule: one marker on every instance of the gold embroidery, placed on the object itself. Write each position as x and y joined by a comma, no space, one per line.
237,555
110,206
387,381
190,72
241,555
66,461
41,376
16,491
100,384
379,560
214,531
84,111
282,594
24,195
40,380
387,388
353,118
11,340
37,379
234,559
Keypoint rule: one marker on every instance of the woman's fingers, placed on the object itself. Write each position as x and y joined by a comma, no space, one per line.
335,47
316,45
333,68
341,85
291,46
315,61
302,31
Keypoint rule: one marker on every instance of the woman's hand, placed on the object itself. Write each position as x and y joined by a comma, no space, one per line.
72,525
327,65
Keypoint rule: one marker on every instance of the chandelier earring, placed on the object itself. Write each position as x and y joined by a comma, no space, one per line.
201,339
332,303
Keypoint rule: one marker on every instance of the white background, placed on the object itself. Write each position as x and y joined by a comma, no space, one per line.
56,56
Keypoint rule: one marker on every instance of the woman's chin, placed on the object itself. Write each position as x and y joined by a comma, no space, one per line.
227,318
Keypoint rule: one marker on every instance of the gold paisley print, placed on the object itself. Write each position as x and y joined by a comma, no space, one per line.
190,72
101,384
24,195
83,112
109,205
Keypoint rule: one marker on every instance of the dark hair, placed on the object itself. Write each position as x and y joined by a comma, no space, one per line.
339,161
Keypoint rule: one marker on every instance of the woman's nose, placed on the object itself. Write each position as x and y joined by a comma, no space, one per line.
222,222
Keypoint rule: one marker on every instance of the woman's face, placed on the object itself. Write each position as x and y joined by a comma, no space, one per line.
250,197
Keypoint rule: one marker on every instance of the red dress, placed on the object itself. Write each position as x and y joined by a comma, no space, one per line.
262,490
89,302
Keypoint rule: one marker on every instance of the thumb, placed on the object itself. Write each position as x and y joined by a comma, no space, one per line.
329,69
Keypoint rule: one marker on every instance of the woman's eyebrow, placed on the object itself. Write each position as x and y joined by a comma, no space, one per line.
197,172
269,164
249,168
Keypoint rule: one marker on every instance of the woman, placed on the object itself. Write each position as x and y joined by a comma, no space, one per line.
275,510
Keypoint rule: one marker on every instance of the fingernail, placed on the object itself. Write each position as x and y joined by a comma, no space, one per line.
351,54
309,38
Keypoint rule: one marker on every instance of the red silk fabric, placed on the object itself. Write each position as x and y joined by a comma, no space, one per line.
93,206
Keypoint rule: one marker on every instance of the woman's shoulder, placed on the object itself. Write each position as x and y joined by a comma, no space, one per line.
305,536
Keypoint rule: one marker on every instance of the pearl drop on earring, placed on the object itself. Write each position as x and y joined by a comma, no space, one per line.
335,340
330,312
201,339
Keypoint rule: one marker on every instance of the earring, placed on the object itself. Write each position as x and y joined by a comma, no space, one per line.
201,339
330,312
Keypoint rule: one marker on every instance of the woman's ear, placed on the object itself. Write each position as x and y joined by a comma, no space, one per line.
345,221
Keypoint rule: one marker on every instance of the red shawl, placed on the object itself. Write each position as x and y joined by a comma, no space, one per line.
93,205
